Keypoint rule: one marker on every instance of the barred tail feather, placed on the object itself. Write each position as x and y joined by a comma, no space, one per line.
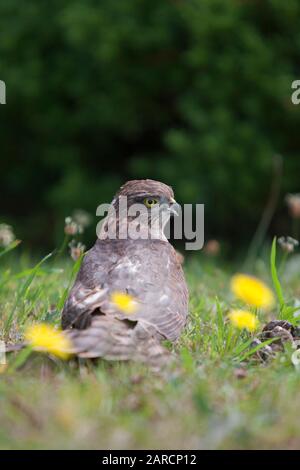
118,340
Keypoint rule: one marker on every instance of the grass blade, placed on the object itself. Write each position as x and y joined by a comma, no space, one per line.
75,270
23,292
275,278
256,348
10,247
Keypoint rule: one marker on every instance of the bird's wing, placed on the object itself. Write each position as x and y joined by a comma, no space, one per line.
89,290
81,304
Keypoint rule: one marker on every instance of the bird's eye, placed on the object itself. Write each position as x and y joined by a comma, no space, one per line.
150,202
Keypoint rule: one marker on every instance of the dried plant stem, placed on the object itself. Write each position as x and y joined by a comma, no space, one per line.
267,214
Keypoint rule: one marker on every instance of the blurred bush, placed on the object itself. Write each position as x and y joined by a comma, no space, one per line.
195,93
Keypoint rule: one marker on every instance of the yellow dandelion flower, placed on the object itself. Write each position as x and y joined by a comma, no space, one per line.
243,319
124,302
45,338
252,291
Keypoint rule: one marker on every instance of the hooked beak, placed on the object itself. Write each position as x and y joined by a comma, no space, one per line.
174,207
170,206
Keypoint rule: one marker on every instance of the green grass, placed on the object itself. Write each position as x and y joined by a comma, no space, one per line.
51,404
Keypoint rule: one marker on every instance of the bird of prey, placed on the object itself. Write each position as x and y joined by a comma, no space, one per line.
147,270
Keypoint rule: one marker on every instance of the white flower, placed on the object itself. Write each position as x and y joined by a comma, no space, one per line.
288,244
293,203
71,227
6,235
82,218
76,249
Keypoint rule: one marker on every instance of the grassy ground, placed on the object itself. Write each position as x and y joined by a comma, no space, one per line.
219,399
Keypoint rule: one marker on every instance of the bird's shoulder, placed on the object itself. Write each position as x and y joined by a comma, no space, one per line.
106,255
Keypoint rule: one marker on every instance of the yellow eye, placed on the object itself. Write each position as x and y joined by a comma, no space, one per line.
150,202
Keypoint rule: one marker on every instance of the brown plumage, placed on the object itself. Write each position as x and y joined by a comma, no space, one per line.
148,270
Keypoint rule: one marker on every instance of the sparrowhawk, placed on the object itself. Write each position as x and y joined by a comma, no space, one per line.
147,270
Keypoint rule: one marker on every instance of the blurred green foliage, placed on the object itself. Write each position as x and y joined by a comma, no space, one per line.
195,93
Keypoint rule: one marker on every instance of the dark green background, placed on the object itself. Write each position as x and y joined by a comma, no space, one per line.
194,93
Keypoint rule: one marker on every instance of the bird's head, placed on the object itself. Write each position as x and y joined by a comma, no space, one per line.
152,194
148,203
